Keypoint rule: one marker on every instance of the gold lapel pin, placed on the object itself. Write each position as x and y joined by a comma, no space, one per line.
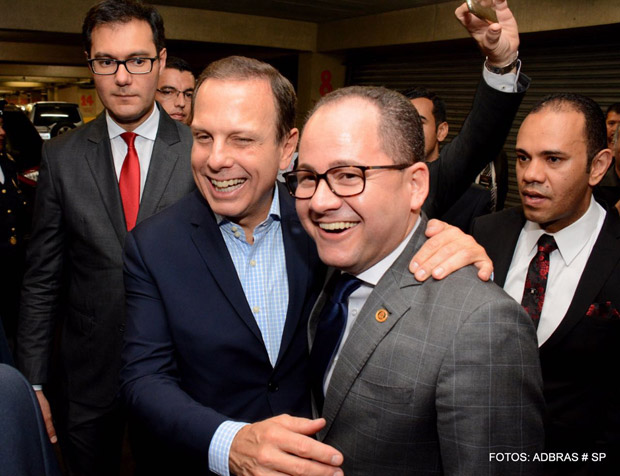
381,315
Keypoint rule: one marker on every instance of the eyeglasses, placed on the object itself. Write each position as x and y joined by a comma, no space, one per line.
343,181
108,66
169,93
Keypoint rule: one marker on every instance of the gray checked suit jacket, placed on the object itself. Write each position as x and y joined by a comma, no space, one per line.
449,378
74,271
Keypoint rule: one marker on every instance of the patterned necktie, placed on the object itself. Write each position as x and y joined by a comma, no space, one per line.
129,182
536,280
329,330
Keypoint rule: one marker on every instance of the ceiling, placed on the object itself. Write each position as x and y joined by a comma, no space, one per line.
316,11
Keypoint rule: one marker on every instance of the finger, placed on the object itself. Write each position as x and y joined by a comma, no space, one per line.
434,227
309,448
293,465
305,426
47,416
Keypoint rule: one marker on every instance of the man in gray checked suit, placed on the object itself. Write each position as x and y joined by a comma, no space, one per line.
428,378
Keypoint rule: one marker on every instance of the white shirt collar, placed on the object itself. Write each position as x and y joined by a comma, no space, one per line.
373,274
148,129
570,240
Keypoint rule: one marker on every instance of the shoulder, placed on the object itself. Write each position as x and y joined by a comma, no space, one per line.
77,139
177,219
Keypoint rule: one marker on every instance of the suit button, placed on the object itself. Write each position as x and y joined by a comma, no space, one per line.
121,327
273,387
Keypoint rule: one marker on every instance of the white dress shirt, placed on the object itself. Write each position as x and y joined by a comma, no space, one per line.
358,298
566,265
147,132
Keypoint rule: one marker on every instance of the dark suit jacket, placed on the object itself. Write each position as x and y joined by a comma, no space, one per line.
451,376
579,359
479,141
194,356
74,262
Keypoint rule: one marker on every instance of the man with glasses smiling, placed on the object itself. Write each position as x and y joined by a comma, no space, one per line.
176,88
410,376
95,184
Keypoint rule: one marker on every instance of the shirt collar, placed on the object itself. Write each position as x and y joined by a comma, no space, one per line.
570,240
373,274
148,129
274,211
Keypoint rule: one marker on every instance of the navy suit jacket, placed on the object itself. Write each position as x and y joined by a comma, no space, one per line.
579,360
194,356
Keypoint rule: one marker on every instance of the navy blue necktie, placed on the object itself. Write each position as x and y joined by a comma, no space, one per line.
329,330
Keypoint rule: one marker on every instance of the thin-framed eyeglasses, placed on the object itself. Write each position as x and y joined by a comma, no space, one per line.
173,93
343,181
108,66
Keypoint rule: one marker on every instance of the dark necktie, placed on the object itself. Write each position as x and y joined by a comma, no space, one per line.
536,280
329,330
129,182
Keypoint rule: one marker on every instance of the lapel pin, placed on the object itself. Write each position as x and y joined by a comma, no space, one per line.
381,315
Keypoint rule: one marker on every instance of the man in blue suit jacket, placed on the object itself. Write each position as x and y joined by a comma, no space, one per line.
197,353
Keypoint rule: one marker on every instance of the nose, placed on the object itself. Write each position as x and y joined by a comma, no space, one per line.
122,77
324,199
180,100
219,156
533,170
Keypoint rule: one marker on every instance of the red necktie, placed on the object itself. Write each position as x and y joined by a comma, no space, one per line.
129,182
536,280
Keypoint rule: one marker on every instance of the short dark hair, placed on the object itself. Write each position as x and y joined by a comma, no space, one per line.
615,107
595,130
400,127
123,11
174,62
242,68
439,106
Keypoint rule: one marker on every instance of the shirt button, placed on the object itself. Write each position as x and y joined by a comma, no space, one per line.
234,228
256,309
237,234
354,312
253,263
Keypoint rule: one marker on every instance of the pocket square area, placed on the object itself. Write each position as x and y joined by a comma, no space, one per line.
603,309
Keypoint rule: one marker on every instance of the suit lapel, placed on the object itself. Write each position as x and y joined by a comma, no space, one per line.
601,263
297,247
163,161
212,248
504,237
367,332
101,164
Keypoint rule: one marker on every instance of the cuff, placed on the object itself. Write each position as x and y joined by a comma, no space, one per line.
219,449
506,83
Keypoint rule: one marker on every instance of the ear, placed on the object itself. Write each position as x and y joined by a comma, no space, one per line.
442,131
163,54
418,176
599,166
289,145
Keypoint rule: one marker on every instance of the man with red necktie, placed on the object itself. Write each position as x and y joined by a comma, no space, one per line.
95,184
559,255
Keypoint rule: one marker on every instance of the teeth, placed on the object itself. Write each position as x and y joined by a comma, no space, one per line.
339,225
227,185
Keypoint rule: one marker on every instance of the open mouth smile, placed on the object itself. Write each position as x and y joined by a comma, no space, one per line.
227,185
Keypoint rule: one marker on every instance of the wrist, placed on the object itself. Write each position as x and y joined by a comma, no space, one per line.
497,67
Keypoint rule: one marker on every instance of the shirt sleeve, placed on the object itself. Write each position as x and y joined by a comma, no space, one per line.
219,449
506,83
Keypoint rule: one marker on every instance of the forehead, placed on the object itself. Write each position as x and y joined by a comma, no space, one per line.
121,39
230,101
424,107
180,80
345,130
553,130
613,116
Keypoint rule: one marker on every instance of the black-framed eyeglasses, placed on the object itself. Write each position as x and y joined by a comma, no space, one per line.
107,66
173,93
343,181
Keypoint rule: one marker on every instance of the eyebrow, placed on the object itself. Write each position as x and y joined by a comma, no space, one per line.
130,55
